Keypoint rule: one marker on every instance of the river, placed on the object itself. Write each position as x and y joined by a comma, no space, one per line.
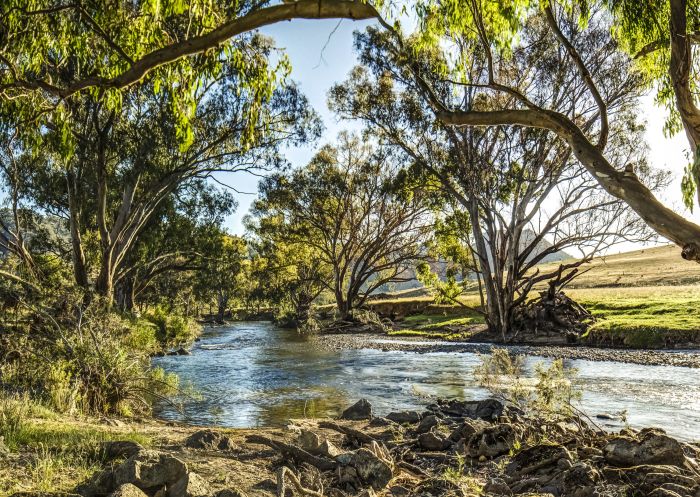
254,374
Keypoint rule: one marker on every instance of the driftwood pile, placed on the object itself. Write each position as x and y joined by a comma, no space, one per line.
552,314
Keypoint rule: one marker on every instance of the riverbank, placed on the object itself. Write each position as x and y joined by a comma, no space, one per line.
420,344
451,447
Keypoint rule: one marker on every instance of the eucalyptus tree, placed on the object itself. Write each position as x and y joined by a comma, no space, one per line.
498,32
53,51
125,163
179,243
343,206
286,276
513,197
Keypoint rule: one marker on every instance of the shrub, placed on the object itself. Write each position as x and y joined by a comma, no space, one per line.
13,414
171,329
551,394
88,359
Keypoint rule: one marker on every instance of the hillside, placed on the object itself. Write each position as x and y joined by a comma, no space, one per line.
647,267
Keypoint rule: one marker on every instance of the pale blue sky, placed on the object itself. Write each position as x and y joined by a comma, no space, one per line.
317,68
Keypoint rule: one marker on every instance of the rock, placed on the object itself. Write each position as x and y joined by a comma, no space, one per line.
360,410
404,417
230,492
150,469
646,478
119,448
190,485
365,466
328,449
308,440
311,442
432,441
549,468
491,442
652,447
128,490
467,429
488,409
399,491
427,423
537,459
587,452
379,421
497,486
182,351
210,440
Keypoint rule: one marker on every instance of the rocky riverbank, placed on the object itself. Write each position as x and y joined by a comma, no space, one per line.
339,341
452,448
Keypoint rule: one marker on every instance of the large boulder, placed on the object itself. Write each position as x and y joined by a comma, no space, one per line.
190,485
651,447
359,411
150,469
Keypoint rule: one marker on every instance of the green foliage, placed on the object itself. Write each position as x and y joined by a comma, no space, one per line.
96,42
171,329
85,358
690,182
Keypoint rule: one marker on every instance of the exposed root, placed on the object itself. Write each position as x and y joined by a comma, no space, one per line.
281,487
293,452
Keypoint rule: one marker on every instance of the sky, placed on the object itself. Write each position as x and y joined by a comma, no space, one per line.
321,54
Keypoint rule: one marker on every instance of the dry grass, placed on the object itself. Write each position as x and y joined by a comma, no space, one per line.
647,267
639,297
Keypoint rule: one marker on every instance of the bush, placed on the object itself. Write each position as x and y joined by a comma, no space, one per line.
550,396
87,359
172,330
13,415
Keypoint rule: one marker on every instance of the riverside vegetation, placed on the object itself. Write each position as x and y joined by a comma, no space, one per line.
492,137
528,439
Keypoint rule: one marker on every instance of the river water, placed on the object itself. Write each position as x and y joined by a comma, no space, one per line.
254,374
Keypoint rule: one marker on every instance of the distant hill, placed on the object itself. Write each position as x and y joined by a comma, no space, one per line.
649,267
440,267
646,267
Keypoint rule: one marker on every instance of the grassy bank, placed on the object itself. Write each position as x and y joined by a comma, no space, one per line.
46,452
646,299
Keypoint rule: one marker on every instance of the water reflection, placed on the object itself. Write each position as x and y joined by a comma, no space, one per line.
254,374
